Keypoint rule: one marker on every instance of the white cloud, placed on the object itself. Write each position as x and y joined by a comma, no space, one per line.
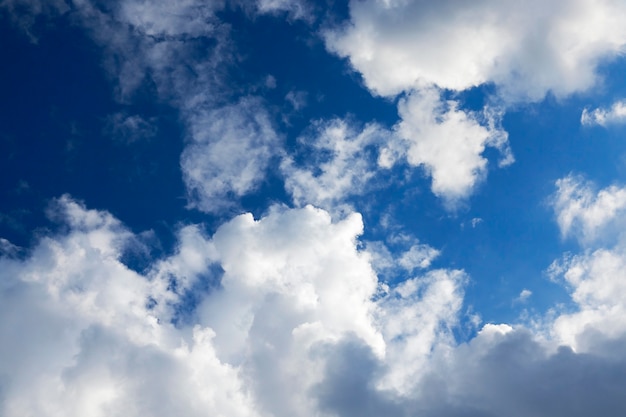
417,320
298,326
525,49
448,143
524,295
595,276
228,154
340,163
182,17
603,117
89,337
84,340
296,9
184,50
598,283
418,256
583,212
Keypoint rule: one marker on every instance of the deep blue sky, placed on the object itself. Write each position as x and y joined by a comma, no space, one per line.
267,107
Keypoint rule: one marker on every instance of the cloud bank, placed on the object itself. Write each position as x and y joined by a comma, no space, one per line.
295,322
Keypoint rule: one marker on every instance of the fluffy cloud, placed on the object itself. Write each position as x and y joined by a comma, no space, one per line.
292,319
603,117
583,212
433,134
228,154
90,337
526,50
296,324
596,276
85,338
448,143
597,281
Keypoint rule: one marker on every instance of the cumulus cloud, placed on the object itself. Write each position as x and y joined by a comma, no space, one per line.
85,340
526,50
88,336
597,281
601,116
296,324
448,143
293,319
596,275
584,212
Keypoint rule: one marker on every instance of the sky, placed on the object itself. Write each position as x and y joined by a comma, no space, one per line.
299,208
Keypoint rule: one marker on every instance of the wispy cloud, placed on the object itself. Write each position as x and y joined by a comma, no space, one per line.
230,149
615,114
339,161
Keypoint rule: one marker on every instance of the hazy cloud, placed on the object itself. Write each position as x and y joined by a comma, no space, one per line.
229,150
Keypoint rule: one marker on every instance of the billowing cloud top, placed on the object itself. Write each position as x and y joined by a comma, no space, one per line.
526,49
300,209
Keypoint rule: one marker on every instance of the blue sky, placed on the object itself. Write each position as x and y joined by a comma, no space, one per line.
312,208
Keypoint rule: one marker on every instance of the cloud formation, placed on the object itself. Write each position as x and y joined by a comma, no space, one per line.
447,142
525,50
293,285
231,148
183,51
296,323
616,114
409,48
291,313
341,162
584,212
596,274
